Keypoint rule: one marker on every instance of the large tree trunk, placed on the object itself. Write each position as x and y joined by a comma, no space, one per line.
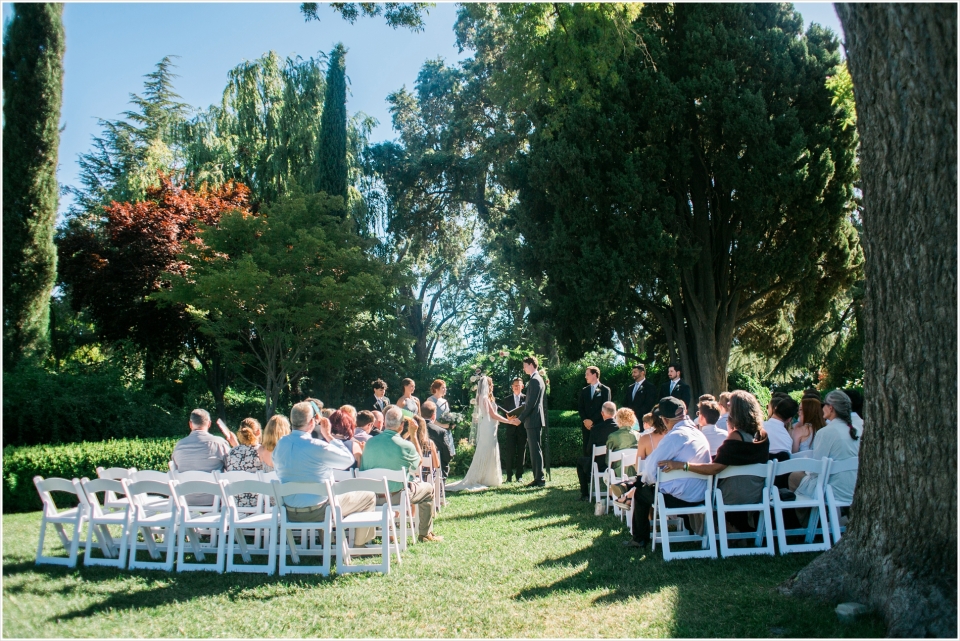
900,552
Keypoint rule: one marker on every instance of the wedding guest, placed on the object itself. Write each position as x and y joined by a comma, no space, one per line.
377,422
438,436
781,410
327,412
592,398
641,396
244,457
856,408
408,432
675,386
706,397
708,413
812,392
625,438
351,410
724,402
427,446
277,427
648,441
342,427
388,450
839,439
200,451
599,433
438,390
365,423
811,421
379,401
407,400
299,458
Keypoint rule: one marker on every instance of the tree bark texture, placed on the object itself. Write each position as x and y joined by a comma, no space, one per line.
899,554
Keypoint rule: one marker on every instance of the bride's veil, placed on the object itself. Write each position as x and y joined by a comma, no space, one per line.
479,407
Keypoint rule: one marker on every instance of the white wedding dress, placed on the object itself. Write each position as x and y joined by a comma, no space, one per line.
484,470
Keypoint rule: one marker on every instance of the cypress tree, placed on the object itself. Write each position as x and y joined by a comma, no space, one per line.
332,147
33,50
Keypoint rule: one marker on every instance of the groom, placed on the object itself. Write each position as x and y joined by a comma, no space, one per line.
533,419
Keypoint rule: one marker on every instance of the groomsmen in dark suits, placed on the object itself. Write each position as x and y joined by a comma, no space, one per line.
592,398
642,395
675,386
515,445
379,401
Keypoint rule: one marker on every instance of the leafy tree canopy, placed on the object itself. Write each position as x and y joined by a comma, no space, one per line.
397,14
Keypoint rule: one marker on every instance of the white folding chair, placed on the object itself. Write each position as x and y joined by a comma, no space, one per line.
58,518
148,519
817,522
343,475
206,477
626,458
764,523
100,520
594,493
662,514
239,475
407,522
381,517
111,500
286,539
432,475
833,504
268,477
194,523
263,524
152,503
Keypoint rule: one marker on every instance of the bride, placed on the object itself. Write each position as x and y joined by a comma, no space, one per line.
484,470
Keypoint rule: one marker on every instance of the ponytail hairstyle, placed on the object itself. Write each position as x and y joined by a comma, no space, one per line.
746,415
840,403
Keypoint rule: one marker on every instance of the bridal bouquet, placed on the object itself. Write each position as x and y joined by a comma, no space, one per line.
451,418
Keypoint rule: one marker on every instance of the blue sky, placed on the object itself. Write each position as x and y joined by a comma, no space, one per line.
110,46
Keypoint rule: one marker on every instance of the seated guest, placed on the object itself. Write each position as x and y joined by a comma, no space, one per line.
856,408
647,424
683,442
426,445
781,411
377,423
649,441
351,410
365,421
747,445
327,412
379,402
200,451
624,438
342,427
811,422
708,413
277,427
389,451
244,457
318,407
724,403
812,392
839,439
598,436
301,459
706,397
438,437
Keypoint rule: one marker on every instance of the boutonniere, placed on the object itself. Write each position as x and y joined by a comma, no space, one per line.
597,392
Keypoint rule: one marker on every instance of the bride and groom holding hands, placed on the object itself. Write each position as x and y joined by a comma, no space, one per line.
485,469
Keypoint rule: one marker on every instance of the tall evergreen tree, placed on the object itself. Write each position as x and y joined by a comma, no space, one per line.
33,83
332,151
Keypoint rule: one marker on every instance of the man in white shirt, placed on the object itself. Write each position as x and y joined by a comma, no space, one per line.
707,416
683,442
782,410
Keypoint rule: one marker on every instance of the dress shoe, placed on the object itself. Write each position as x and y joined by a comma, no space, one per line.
433,538
509,480
537,484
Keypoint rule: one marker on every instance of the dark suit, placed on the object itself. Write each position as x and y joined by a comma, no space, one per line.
437,434
515,443
589,408
533,419
372,404
643,401
599,434
681,391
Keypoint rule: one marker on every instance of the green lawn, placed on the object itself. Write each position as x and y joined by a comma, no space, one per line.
516,562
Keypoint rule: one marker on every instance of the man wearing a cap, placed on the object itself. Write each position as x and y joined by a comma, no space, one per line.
683,442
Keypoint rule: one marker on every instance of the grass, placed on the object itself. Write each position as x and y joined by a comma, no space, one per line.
515,562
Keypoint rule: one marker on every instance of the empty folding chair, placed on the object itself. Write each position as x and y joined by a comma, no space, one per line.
662,514
764,530
262,502
194,523
816,524
593,492
111,499
833,504
152,503
157,526
58,518
407,523
380,517
100,520
626,458
262,524
286,537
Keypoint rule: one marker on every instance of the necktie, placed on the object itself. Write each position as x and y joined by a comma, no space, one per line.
673,384
636,386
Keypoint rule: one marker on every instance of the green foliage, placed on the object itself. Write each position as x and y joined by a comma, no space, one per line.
89,405
397,14
77,460
33,49
331,161
738,380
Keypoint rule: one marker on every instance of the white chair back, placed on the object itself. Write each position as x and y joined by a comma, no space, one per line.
193,475
236,475
149,475
153,518
594,493
58,518
379,517
263,523
662,515
342,475
762,506
286,538
833,505
816,523
100,520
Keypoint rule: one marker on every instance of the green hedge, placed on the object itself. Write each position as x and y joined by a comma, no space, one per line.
74,460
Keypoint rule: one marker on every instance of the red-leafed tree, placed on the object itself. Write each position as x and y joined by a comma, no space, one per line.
111,265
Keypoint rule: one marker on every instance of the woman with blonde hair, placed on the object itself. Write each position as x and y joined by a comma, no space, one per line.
277,427
427,447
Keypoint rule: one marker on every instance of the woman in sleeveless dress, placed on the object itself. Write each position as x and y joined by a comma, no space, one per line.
484,470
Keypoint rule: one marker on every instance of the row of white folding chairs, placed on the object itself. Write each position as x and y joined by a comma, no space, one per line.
824,519
152,516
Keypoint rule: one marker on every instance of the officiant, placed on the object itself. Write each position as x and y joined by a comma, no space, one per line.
515,445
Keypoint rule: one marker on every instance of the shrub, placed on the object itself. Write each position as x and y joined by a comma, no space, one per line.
74,460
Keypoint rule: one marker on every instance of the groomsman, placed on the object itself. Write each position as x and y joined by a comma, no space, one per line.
675,386
592,398
642,395
379,401
515,445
